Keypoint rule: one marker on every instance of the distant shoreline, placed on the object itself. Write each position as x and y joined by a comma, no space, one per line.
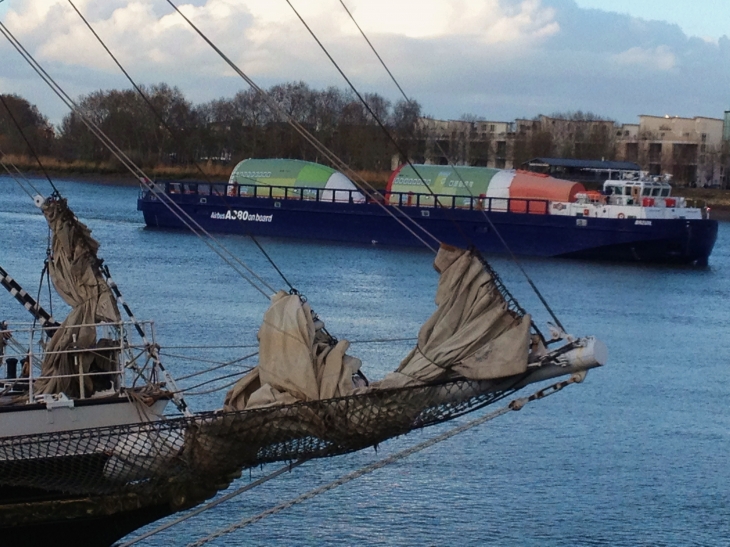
717,199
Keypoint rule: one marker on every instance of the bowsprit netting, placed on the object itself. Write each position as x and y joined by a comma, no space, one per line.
180,454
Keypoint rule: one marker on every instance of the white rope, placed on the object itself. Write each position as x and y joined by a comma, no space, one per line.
214,503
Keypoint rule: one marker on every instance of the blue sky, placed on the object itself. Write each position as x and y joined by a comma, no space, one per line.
703,18
495,59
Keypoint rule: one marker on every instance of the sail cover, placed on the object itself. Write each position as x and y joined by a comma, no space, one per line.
298,360
472,334
74,269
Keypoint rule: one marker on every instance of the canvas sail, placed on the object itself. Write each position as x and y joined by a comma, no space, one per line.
74,269
472,334
298,360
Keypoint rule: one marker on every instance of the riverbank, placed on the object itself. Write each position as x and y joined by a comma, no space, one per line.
114,173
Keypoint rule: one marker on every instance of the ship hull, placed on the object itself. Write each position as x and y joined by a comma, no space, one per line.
681,241
77,519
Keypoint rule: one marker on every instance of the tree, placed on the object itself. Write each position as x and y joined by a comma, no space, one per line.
406,128
32,123
126,118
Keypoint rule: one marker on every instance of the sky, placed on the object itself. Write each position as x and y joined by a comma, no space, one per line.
494,59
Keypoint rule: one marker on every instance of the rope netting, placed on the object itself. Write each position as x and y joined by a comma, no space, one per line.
175,457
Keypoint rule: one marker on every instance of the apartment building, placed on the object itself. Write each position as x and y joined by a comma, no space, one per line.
468,142
694,151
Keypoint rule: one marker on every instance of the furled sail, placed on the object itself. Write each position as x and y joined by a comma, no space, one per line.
298,360
75,270
473,334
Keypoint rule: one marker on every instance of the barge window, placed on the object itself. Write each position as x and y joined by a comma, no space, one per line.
656,191
665,192
190,188
219,189
204,189
646,192
175,188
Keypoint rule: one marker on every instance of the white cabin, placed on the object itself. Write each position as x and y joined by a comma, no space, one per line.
632,197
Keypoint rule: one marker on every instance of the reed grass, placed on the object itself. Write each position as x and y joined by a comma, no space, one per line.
113,169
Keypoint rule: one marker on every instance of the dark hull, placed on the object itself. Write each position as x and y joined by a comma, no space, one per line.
30,517
669,241
75,524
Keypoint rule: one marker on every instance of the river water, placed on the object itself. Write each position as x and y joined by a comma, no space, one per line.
636,455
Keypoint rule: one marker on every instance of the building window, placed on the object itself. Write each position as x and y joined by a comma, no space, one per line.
501,149
632,151
655,152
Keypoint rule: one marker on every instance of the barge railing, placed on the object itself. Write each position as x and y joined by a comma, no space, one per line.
201,192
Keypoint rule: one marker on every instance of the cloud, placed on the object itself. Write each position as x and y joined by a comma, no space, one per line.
658,58
499,59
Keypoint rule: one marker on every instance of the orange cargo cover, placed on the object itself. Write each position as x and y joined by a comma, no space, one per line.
530,185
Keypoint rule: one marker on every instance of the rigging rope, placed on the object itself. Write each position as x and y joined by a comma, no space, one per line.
209,391
20,173
236,374
175,135
218,363
219,366
183,216
27,142
328,154
451,164
400,150
214,503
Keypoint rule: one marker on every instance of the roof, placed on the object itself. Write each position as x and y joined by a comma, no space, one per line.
586,164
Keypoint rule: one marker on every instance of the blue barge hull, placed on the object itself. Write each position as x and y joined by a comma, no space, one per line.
680,241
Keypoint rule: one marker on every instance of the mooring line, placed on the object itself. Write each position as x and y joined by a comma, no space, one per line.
216,502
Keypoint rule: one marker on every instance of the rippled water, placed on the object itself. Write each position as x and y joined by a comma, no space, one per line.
637,455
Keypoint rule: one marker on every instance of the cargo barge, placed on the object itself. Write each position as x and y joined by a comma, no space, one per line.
632,219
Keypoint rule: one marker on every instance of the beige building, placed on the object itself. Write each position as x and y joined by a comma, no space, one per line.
546,136
690,149
468,142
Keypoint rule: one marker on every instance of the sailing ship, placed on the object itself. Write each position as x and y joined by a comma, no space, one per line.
91,453
96,470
